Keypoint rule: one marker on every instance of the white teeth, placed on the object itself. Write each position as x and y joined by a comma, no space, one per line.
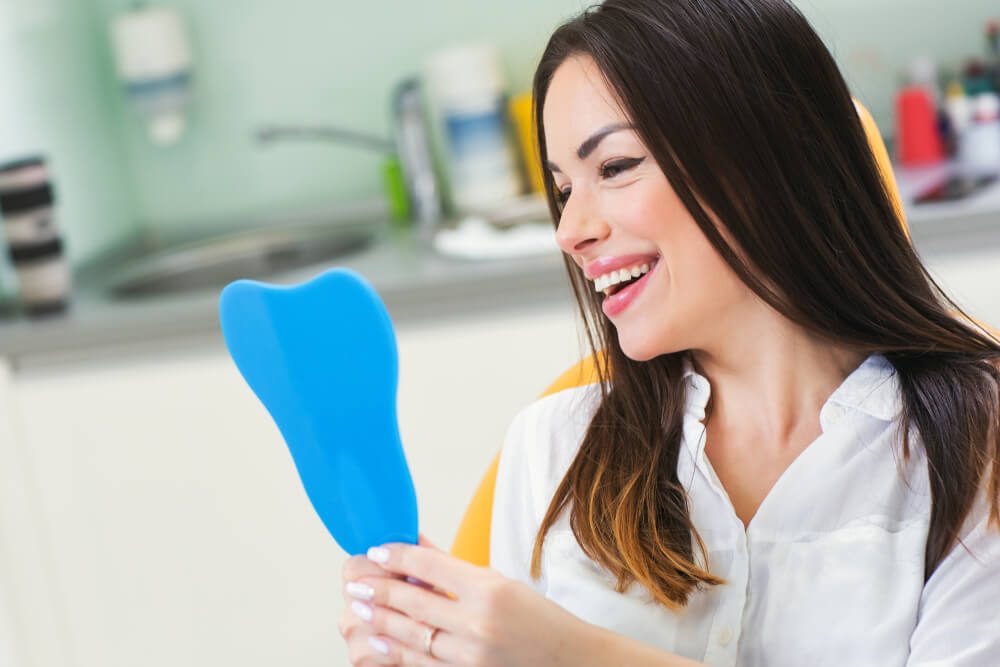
602,283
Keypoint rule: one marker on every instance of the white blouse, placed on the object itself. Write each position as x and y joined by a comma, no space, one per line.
829,571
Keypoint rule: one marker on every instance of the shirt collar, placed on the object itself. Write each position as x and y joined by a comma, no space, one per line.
698,390
872,389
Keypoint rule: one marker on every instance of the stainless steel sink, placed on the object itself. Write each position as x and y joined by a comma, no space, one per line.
215,261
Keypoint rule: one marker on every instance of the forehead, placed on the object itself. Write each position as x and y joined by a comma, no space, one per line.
577,103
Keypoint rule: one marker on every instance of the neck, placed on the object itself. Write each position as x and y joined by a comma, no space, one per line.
770,378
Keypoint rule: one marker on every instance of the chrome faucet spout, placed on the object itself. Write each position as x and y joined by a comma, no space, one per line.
410,144
272,133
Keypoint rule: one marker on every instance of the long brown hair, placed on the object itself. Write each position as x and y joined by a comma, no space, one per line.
745,111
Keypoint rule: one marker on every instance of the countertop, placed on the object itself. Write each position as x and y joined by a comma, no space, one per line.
415,283
418,284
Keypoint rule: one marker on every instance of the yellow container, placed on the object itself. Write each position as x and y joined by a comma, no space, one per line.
524,125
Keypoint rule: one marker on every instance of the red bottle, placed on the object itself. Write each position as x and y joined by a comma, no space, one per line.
917,138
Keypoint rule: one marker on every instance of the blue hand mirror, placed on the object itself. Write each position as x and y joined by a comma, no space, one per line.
321,357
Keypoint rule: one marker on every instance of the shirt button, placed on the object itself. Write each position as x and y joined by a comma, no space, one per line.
725,636
835,413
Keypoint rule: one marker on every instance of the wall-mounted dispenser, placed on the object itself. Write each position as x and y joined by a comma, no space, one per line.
153,57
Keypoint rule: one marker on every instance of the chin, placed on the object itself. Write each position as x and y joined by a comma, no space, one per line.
646,347
640,350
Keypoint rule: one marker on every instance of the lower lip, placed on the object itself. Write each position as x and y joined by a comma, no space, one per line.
620,300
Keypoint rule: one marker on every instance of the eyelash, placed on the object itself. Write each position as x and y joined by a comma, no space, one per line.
608,170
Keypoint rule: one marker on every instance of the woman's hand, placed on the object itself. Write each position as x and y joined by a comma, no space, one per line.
353,629
473,616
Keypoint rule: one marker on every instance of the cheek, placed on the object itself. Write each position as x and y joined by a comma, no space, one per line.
644,208
693,267
698,271
699,286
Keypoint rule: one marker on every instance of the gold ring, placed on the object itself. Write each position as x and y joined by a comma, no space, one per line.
429,634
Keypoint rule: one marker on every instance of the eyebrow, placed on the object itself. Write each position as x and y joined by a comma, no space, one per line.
588,146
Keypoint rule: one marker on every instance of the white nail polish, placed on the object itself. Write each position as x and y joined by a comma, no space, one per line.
378,554
378,645
360,591
362,611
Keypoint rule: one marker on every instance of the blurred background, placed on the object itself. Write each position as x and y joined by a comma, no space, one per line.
152,152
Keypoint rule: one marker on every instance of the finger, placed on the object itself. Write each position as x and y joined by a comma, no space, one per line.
350,626
424,542
425,585
360,652
386,621
444,646
356,567
441,570
357,590
347,625
452,649
416,602
401,654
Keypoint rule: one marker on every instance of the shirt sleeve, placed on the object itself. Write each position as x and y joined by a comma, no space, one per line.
514,520
957,621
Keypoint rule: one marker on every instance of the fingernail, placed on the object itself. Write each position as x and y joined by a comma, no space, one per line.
378,645
362,611
360,591
378,554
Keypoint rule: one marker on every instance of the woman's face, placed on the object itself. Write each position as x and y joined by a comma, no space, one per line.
620,213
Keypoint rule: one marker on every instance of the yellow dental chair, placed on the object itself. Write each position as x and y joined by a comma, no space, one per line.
472,542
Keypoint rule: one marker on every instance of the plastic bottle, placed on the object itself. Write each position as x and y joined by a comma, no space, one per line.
959,113
8,285
980,145
27,202
154,62
918,138
524,122
470,97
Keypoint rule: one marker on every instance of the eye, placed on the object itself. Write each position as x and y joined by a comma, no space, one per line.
563,196
612,169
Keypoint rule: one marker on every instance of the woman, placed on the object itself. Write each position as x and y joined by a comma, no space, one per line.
792,455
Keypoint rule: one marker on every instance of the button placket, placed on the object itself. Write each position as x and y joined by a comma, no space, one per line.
721,647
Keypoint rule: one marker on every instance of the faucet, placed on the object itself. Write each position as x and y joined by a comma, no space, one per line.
410,143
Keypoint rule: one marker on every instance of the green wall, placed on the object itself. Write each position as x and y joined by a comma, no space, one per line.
311,62
54,100
874,41
323,61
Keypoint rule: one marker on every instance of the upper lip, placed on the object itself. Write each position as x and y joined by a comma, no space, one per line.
602,265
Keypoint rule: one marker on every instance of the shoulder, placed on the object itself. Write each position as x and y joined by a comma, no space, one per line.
951,608
545,435
541,443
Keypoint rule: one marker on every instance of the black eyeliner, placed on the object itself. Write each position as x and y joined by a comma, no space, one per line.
625,163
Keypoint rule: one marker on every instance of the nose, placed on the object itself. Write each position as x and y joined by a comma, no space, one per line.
580,227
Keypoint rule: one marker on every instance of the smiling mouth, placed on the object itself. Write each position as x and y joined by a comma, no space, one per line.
615,281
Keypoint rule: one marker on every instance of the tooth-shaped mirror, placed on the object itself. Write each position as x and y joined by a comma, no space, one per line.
321,357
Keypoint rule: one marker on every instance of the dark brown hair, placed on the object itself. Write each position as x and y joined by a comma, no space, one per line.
746,113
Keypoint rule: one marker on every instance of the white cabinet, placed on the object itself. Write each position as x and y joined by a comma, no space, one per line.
972,280
177,529
27,613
